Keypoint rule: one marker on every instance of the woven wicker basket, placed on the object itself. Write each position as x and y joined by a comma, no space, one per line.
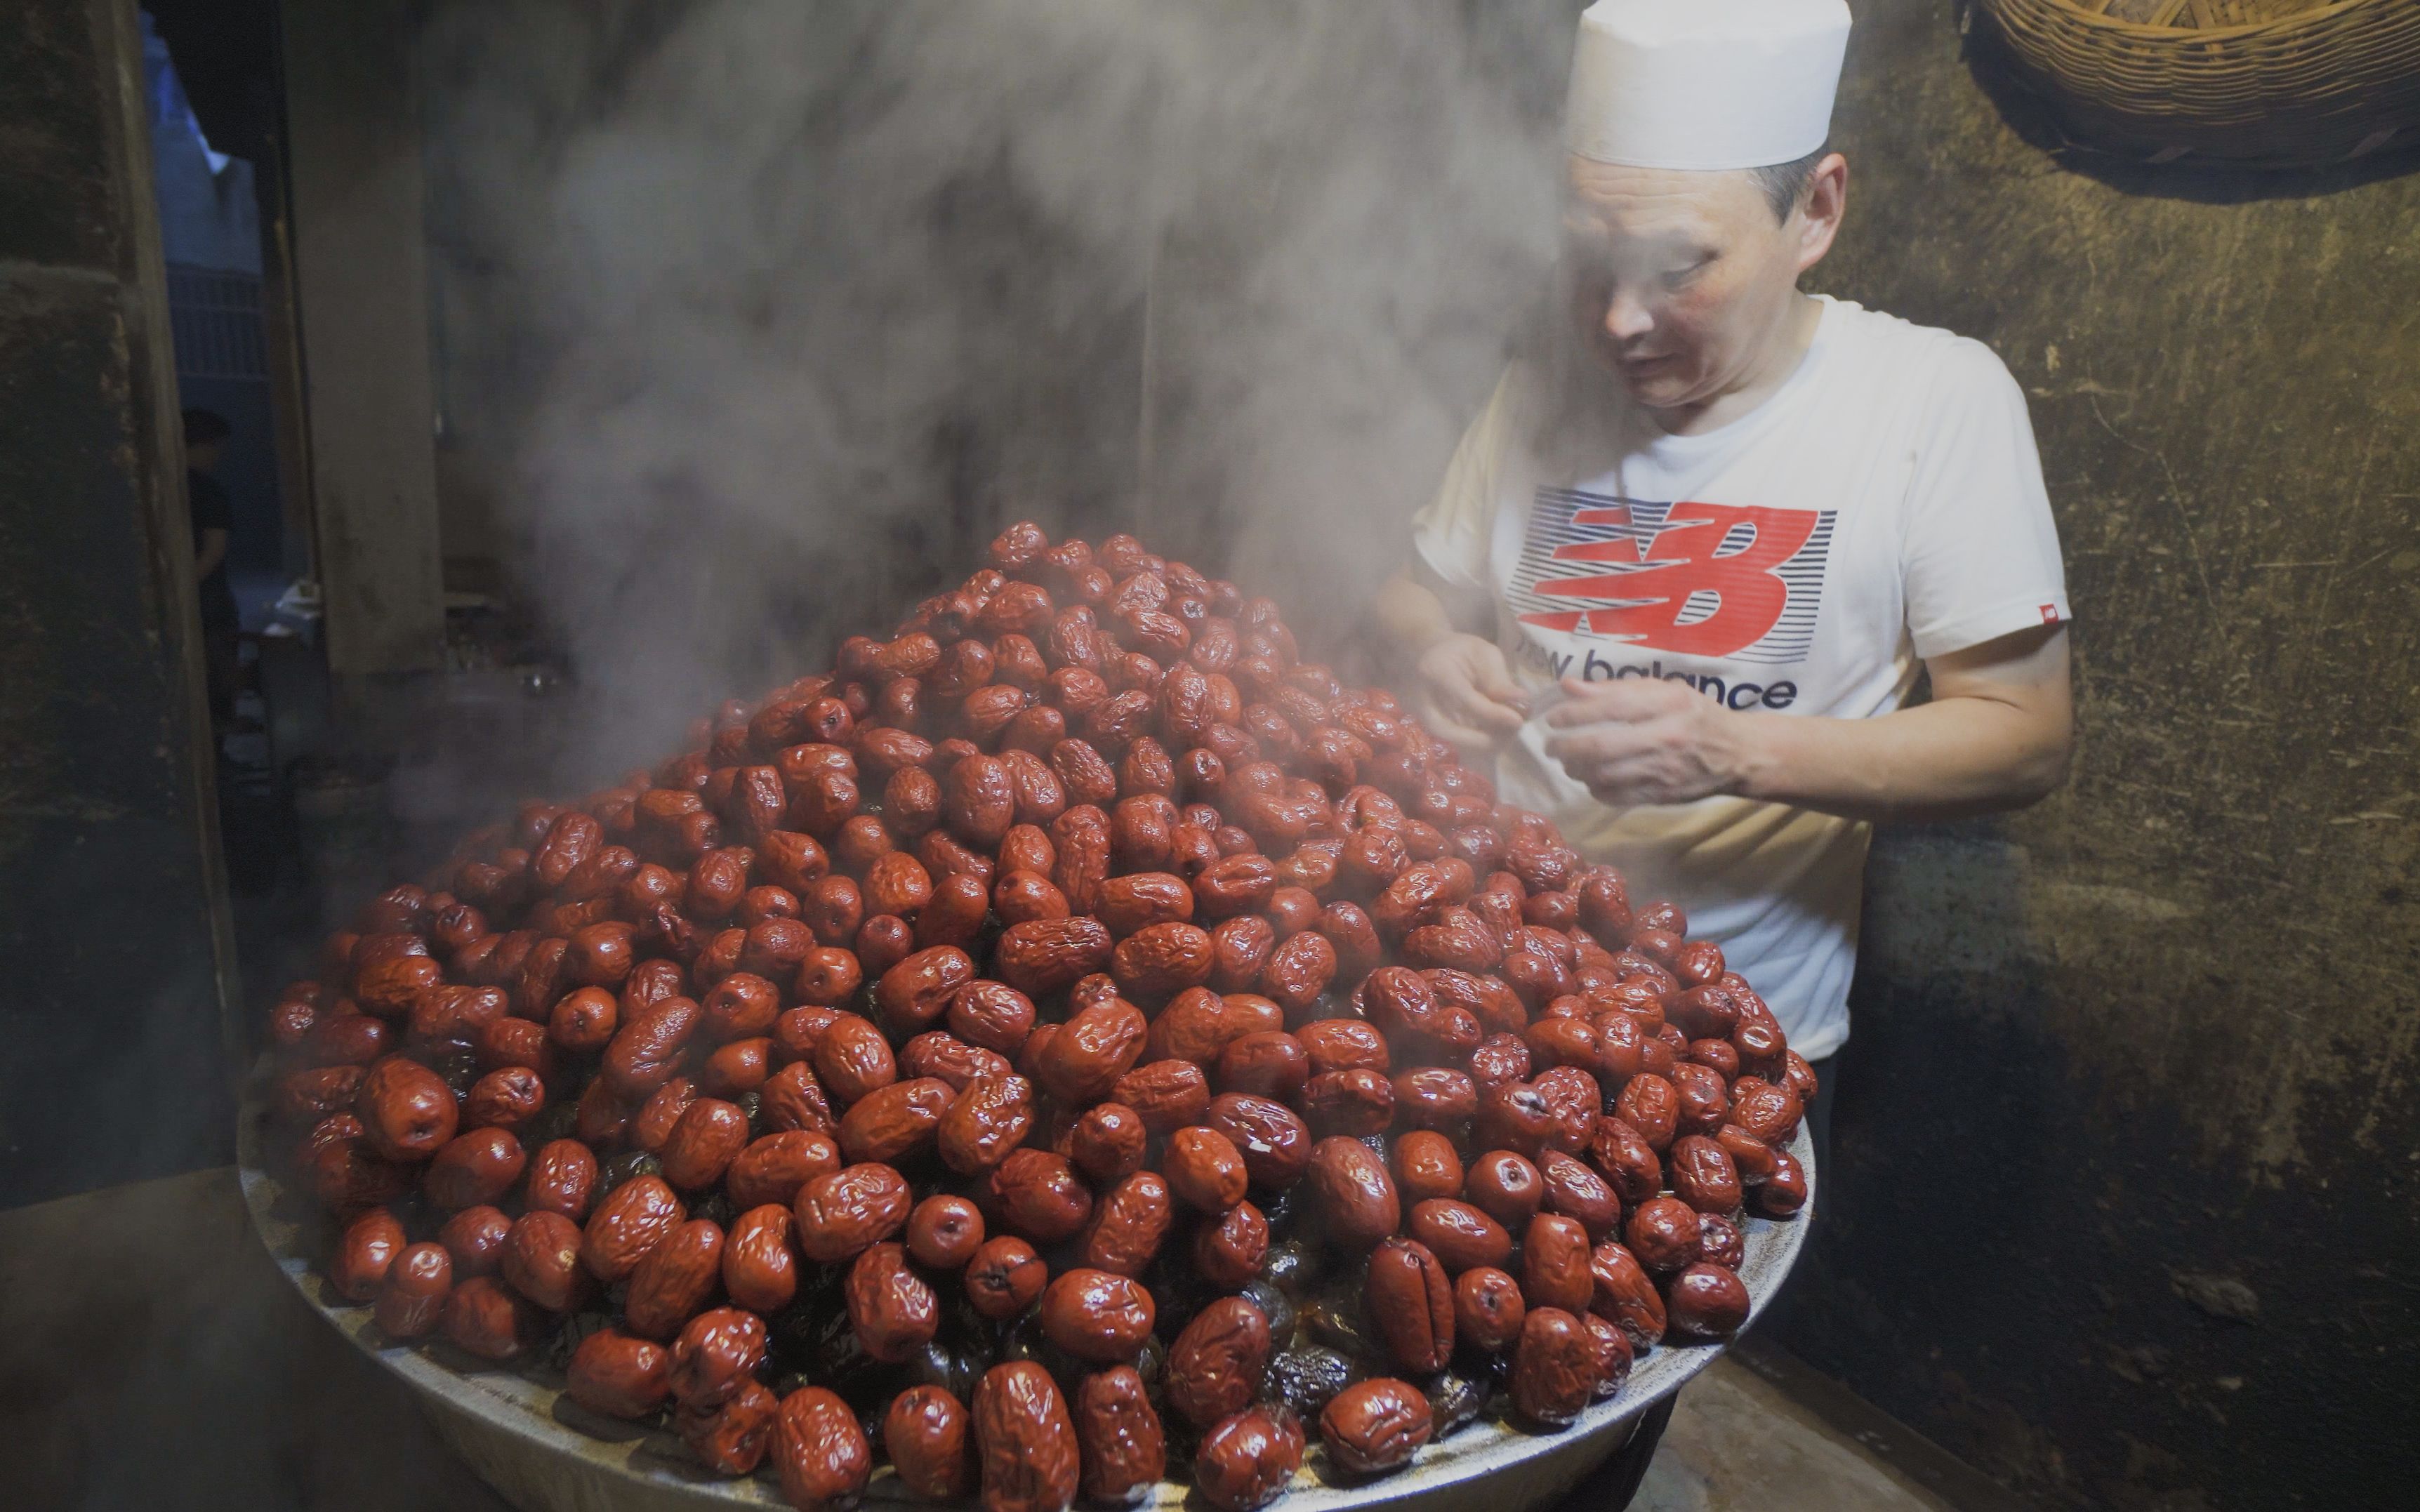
2247,84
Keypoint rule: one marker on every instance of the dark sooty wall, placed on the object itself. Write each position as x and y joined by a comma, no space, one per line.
2127,1147
109,867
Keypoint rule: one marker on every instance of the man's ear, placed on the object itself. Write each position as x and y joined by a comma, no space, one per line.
1817,220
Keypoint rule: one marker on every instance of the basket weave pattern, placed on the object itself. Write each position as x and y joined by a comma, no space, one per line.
2267,84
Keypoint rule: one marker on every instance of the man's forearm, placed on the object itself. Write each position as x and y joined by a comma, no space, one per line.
1943,760
1409,618
1996,735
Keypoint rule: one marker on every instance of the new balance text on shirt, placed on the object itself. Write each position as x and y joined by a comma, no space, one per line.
1595,669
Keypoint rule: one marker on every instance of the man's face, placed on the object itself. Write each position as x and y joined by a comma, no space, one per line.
203,456
1675,276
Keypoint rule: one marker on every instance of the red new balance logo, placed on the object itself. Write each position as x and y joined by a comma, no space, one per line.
1668,583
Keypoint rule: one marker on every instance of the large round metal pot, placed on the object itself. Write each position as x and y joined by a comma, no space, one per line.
544,1453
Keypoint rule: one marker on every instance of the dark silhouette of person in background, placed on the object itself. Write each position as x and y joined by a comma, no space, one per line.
213,514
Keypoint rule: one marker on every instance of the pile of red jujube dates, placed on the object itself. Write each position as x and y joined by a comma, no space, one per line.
1075,1044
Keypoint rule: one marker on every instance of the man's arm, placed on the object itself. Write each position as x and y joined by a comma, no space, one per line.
1997,734
1462,689
214,551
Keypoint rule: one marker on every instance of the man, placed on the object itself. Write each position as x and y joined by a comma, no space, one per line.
1683,571
213,516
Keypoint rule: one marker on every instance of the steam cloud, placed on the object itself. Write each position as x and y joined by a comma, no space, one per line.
775,311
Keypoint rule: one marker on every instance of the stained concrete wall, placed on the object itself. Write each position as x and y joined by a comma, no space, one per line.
2127,1144
111,913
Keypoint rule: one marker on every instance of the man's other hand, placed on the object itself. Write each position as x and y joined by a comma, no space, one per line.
1466,694
1639,741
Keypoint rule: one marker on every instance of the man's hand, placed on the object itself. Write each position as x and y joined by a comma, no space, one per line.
1635,741
1467,692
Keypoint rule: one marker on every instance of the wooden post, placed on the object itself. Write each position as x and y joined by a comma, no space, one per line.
360,265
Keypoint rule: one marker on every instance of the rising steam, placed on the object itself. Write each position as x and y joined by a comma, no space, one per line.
773,312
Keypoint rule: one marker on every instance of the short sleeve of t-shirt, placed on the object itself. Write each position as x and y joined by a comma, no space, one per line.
1981,554
1452,534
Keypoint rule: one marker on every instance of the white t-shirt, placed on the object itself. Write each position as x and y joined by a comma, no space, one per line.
1884,505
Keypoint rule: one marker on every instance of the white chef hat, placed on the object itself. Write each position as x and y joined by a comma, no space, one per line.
1705,83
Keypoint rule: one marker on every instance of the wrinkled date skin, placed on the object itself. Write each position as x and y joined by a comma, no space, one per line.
1628,1163
1125,1447
1229,1252
1248,1461
364,1253
618,1375
841,1215
1108,1143
486,1319
1204,1169
1027,1445
1091,1051
1215,1366
1719,1242
1097,1314
1129,1223
1707,1300
1005,1277
674,1280
1663,1233
1372,1426
715,1355
1614,1356
820,1452
411,1299
707,1137
541,1261
1039,1195
927,1435
892,1122
1575,1192
774,1168
894,1312
407,1113
852,1058
1505,1186
1625,1297
1411,1301
1554,1367
1783,1192
991,1015
731,1440
944,1233
986,1123
1487,1308
1352,1193
474,1240
1427,1166
1459,1234
634,1218
760,1267
1703,1176
562,1179
1271,1137
1555,1264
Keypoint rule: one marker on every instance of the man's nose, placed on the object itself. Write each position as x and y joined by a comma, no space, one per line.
1627,316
